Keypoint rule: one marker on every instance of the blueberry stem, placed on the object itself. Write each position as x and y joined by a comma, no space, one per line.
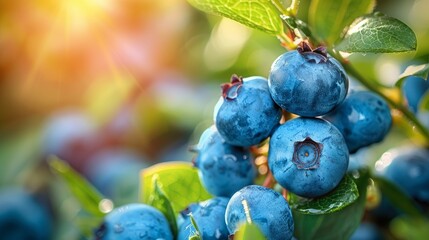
285,193
290,11
372,87
286,41
269,180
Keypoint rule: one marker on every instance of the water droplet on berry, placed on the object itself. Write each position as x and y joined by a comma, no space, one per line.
118,228
142,235
229,157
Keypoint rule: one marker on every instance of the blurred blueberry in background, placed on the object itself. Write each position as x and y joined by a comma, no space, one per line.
22,216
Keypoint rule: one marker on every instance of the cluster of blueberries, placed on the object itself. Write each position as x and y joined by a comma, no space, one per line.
407,166
308,155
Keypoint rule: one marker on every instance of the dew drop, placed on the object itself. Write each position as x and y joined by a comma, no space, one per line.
142,235
118,228
229,157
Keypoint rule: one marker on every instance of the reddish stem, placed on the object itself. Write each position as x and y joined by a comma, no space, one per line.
284,193
269,180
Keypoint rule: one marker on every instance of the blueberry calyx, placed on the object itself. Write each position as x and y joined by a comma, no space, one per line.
230,90
317,55
306,154
100,231
185,212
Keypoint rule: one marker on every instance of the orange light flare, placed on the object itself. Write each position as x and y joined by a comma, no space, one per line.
52,51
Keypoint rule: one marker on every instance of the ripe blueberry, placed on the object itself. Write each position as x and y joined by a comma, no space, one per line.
223,168
306,82
367,231
263,207
70,135
246,114
408,168
413,89
115,173
209,217
134,221
308,156
22,216
65,129
363,119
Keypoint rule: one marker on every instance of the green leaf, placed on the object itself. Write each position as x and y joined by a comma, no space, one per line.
19,148
91,200
329,17
178,180
160,201
261,15
421,70
336,225
378,34
397,197
86,223
343,195
410,228
194,224
414,70
197,234
424,105
195,237
249,231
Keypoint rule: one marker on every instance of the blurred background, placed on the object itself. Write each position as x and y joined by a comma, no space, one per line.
100,81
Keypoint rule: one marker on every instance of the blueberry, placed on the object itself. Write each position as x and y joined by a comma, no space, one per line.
134,221
408,168
223,168
423,114
64,129
413,89
308,156
246,114
209,217
265,208
367,231
363,118
307,83
423,117
22,216
70,135
115,173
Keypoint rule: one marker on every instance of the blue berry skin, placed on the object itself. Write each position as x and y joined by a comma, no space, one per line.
367,231
308,84
265,207
134,221
223,168
423,117
116,173
209,217
22,216
409,170
308,156
363,118
413,89
246,114
65,129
